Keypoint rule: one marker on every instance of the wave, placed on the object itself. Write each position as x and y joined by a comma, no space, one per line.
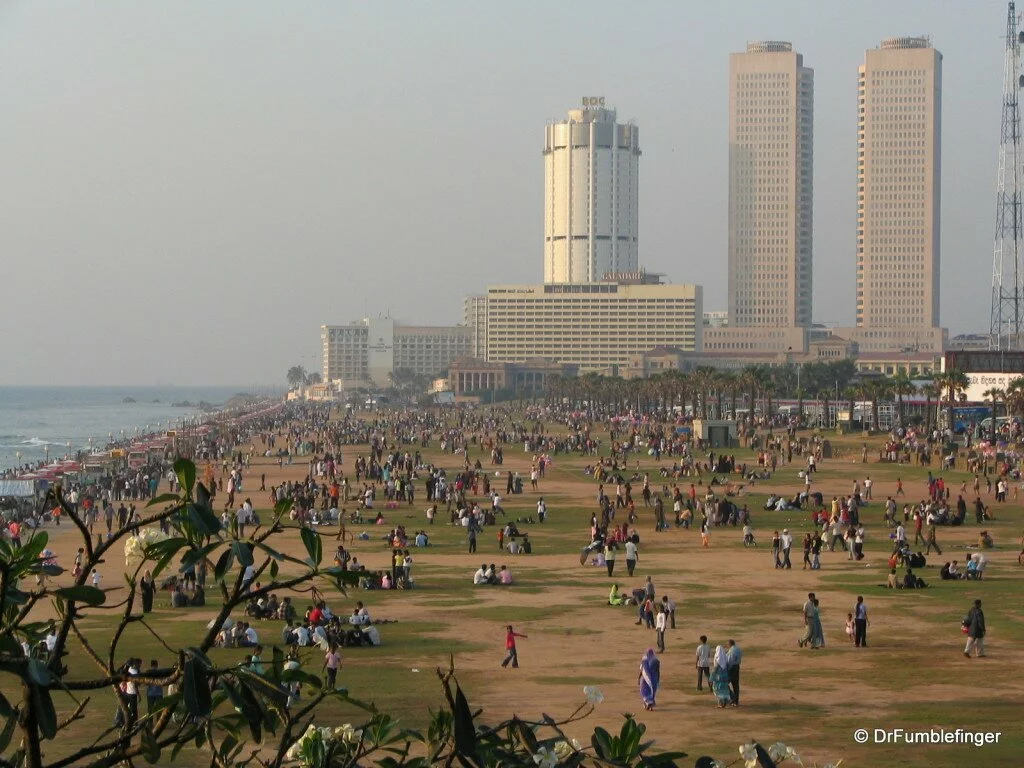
37,441
12,437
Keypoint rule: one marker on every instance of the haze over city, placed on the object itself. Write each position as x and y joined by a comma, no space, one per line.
193,190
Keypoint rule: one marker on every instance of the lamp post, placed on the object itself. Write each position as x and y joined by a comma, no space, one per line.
17,455
46,450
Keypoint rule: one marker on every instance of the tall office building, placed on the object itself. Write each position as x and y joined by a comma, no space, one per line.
771,150
898,174
591,188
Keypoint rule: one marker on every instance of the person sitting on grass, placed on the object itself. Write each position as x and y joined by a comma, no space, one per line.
985,540
480,577
504,576
893,582
617,598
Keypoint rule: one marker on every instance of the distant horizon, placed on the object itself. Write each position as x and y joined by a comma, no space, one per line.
196,189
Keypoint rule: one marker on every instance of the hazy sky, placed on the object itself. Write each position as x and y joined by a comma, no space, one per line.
190,189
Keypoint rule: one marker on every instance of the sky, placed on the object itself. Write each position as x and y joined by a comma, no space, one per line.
189,190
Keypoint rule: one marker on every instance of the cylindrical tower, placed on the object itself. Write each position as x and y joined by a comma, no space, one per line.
591,191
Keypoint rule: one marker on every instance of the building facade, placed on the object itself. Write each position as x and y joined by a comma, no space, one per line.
591,195
469,375
369,351
898,174
595,326
771,164
475,318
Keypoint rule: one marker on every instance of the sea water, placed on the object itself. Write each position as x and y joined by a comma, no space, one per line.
34,419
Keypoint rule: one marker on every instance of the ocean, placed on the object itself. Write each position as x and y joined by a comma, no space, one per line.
34,419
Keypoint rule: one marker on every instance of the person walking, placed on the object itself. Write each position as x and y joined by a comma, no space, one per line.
777,549
471,537
860,623
734,656
670,609
807,552
609,555
703,665
786,540
511,653
975,623
719,678
660,623
810,613
631,556
649,679
332,661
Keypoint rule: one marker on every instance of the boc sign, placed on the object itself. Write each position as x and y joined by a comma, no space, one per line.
593,102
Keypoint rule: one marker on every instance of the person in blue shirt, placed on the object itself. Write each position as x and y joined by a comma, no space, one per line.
734,656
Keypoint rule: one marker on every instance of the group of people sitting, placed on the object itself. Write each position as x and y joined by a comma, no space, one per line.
975,569
910,580
486,574
270,608
320,627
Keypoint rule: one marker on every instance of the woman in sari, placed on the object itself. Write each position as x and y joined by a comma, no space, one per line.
650,678
615,597
817,632
720,678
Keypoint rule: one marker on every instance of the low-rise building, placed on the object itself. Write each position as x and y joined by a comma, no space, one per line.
470,374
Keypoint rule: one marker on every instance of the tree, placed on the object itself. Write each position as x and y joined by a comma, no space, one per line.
995,395
952,382
214,703
901,386
313,378
296,376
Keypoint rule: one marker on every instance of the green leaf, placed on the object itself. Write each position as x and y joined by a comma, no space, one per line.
186,472
253,712
159,549
203,497
465,732
31,550
150,746
46,715
163,498
266,688
224,563
243,553
195,556
38,672
6,710
526,735
602,743
195,689
314,547
204,520
274,569
276,665
83,594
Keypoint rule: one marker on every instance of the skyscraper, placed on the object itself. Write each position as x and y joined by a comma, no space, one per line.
898,174
591,189
771,162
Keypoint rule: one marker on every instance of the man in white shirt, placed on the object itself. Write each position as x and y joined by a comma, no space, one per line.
630,556
786,540
901,534
480,577
703,662
251,638
542,510
660,623
302,635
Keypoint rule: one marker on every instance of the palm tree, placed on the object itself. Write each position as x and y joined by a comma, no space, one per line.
953,382
901,386
296,376
931,392
850,395
824,393
749,382
995,395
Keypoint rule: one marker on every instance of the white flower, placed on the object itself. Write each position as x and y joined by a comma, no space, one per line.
792,755
545,759
564,749
777,751
749,754
135,546
348,733
593,694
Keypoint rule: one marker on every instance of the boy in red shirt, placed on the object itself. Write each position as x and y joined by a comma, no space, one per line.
510,647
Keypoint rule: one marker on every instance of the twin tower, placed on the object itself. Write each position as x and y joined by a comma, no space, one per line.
591,193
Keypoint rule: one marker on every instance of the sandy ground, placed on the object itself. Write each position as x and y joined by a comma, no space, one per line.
722,592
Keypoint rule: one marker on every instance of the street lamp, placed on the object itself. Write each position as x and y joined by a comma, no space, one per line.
18,456
46,450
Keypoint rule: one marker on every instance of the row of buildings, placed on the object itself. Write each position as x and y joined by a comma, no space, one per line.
598,310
